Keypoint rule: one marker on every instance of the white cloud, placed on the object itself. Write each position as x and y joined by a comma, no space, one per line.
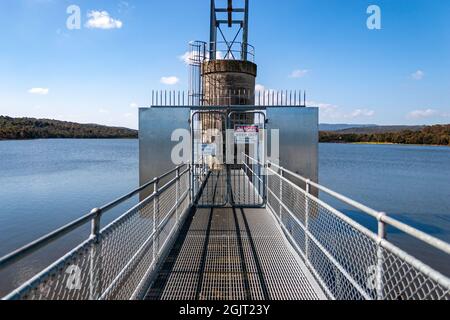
103,111
102,20
128,115
362,113
170,81
124,7
332,112
260,87
39,91
186,57
418,75
189,57
298,73
219,56
327,110
133,105
421,114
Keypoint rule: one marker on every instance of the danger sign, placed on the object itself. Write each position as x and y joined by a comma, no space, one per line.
246,134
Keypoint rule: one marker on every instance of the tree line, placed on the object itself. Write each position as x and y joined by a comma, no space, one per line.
30,128
431,135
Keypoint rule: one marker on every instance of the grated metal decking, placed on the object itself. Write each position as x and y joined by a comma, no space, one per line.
232,254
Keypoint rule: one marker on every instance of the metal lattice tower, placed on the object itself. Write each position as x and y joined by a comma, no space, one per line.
228,72
231,21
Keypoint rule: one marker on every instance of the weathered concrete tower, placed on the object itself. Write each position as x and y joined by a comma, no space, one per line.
229,73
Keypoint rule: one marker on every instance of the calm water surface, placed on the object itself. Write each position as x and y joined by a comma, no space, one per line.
47,183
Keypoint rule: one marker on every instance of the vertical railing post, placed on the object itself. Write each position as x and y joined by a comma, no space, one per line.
281,194
95,266
308,192
264,182
380,257
189,184
266,166
177,196
155,220
192,182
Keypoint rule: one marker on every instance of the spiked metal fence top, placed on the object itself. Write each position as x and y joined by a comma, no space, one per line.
262,98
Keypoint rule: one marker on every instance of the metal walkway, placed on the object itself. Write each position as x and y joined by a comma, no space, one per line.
233,254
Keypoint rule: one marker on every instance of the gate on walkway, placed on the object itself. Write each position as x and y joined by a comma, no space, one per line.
220,139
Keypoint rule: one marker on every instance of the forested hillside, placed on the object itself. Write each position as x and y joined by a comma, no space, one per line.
29,128
431,135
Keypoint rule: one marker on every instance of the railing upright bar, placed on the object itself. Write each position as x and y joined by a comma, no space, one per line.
281,193
177,196
95,223
155,220
308,190
95,255
380,257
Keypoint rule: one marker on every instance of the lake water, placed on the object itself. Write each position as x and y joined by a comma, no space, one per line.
47,183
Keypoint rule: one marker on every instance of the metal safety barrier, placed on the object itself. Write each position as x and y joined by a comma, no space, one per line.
115,262
347,259
259,98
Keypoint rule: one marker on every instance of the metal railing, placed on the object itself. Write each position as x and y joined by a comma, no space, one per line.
222,50
115,262
201,51
260,98
348,260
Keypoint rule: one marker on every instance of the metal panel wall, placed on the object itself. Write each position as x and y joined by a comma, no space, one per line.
156,126
299,138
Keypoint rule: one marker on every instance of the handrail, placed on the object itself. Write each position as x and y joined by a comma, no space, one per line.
383,243
381,217
32,247
386,263
338,196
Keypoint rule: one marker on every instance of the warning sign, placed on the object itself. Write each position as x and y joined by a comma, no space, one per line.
208,149
246,134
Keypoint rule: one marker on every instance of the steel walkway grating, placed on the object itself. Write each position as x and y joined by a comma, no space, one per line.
232,254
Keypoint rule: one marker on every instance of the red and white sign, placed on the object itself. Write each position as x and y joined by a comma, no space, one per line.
246,134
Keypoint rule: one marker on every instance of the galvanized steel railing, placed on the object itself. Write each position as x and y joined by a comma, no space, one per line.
116,261
347,259
261,98
200,51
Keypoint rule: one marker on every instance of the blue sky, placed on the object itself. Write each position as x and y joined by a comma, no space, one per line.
397,75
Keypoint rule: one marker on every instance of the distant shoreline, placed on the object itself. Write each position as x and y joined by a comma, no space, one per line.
31,129
87,139
336,143
437,135
387,144
22,129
